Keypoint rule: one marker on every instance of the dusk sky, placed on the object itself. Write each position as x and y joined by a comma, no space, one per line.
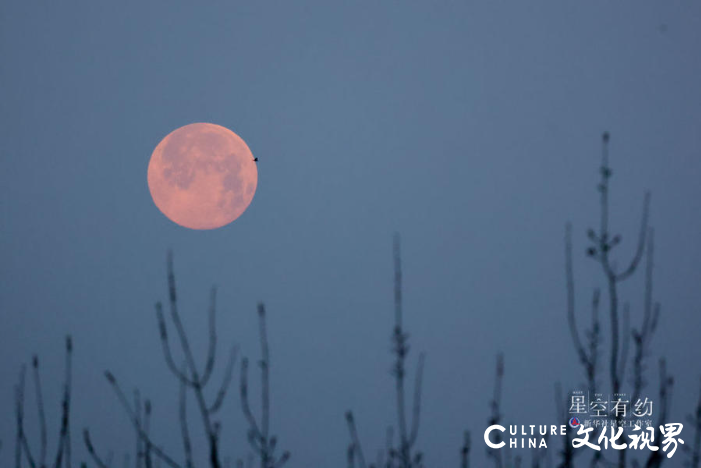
472,128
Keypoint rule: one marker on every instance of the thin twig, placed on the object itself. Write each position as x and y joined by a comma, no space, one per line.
259,433
495,404
641,241
64,443
191,376
666,383
22,441
356,447
265,371
163,329
40,409
147,425
132,416
226,381
465,451
139,442
91,450
187,445
244,397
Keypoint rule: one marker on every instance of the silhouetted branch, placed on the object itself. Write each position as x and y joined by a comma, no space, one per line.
148,459
350,455
495,406
190,375
355,447
643,336
22,448
404,455
265,370
226,381
604,242
139,443
594,336
91,450
259,433
135,422
588,358
665,389
166,347
465,450
185,433
40,410
64,445
407,434
244,398
641,241
389,447
22,442
110,455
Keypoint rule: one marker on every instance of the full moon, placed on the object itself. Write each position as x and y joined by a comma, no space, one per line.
202,176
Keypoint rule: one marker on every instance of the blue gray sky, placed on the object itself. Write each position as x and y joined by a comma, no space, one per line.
470,127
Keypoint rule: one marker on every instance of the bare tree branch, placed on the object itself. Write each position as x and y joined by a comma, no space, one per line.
495,418
259,436
64,441
226,381
22,442
641,241
40,410
135,422
465,451
91,450
163,329
666,383
185,433
355,447
404,456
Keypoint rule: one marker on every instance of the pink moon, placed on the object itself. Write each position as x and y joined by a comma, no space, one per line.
202,176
